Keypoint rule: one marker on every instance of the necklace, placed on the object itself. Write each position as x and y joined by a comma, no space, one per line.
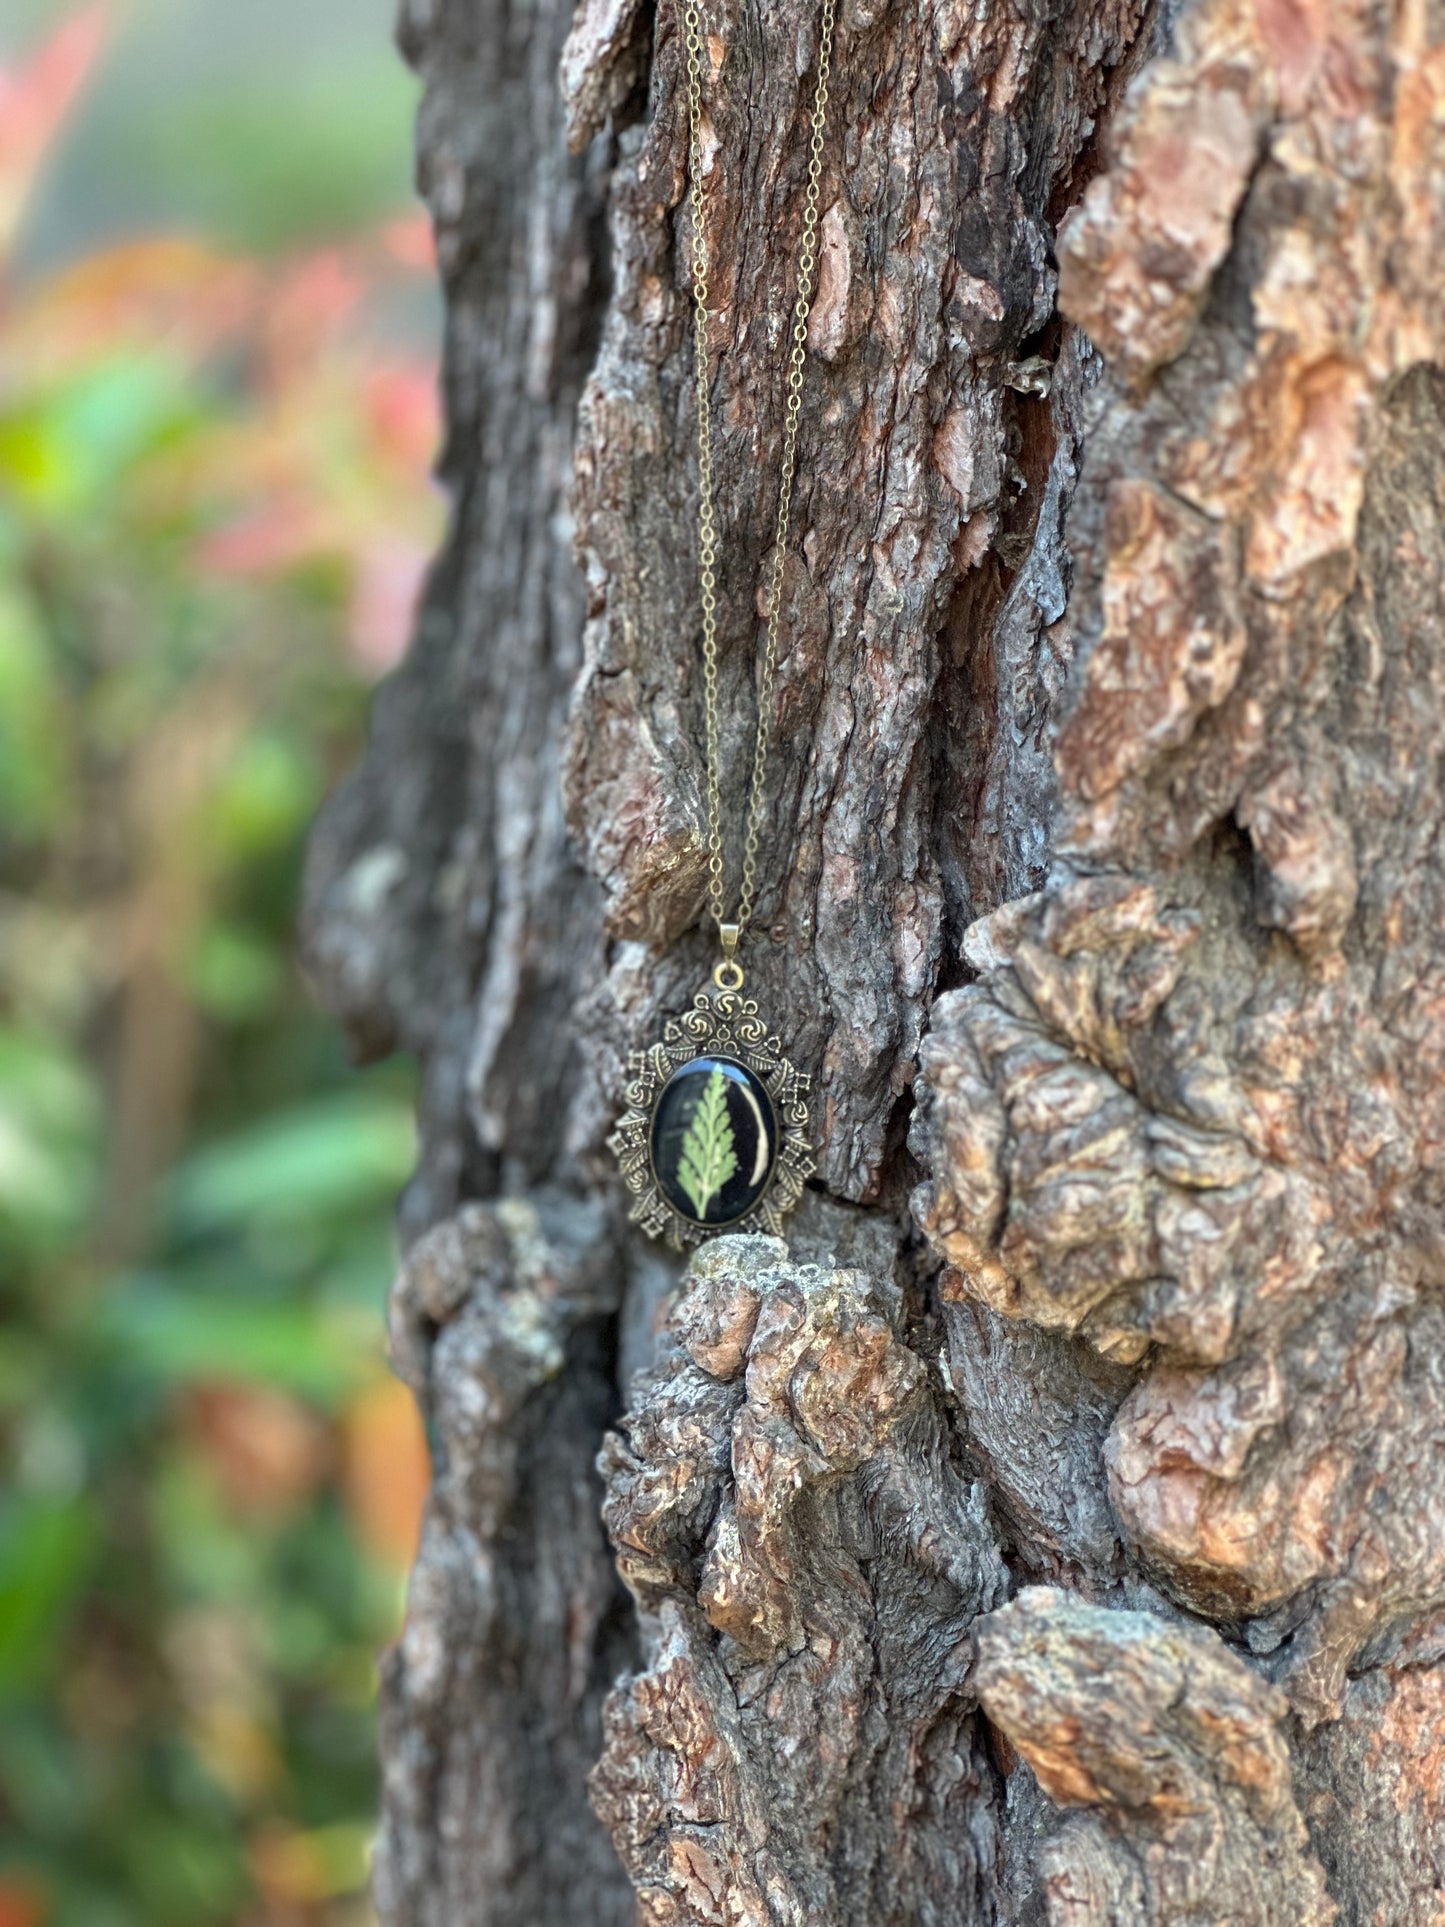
715,1134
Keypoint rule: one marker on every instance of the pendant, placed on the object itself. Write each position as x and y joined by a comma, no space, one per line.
715,1134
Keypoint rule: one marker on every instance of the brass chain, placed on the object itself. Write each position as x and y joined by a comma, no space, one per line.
730,931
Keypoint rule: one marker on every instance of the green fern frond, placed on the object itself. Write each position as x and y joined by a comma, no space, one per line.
709,1156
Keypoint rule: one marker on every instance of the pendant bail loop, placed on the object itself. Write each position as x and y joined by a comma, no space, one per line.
729,973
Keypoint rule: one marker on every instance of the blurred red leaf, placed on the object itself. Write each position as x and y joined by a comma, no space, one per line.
276,536
34,102
405,413
412,242
22,1902
306,308
384,596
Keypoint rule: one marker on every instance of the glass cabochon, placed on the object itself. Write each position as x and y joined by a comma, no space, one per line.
714,1140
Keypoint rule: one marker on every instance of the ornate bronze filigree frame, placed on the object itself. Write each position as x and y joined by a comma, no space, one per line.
721,1023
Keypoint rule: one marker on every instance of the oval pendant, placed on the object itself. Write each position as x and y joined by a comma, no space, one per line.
714,1137
714,1140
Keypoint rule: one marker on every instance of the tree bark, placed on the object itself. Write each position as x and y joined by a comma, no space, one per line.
1053,1528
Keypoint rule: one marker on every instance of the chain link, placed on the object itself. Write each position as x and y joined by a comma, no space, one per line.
707,520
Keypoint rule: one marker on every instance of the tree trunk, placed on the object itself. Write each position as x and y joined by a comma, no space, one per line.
1053,1529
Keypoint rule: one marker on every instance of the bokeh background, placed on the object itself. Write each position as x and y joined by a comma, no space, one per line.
217,419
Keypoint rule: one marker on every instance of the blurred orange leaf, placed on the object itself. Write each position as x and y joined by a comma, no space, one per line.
296,1867
181,297
239,1750
33,105
270,1452
386,1469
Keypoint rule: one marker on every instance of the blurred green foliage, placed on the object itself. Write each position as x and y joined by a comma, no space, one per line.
261,125
213,515
324,172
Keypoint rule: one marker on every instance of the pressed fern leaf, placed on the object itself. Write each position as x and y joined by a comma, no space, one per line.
709,1155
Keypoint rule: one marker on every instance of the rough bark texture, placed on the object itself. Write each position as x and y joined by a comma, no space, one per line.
1053,1529
789,1514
